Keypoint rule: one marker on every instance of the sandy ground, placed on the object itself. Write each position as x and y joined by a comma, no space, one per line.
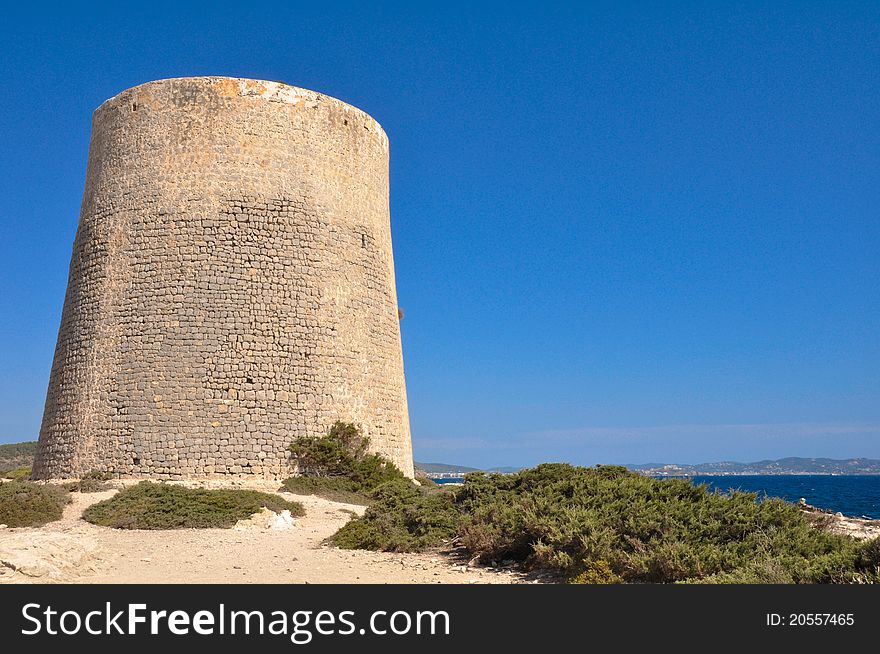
72,550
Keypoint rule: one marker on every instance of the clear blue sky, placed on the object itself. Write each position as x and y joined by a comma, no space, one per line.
623,233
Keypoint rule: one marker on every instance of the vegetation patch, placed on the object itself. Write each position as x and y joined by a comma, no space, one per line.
16,455
338,467
92,482
17,474
27,504
166,506
402,517
609,525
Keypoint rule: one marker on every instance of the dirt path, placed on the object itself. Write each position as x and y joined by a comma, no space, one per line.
72,550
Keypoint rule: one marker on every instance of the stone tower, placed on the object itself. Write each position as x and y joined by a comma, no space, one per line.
231,286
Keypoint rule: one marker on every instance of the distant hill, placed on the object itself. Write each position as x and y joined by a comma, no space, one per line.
15,455
432,468
452,470
786,466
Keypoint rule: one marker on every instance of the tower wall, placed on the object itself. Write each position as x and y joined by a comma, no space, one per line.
231,286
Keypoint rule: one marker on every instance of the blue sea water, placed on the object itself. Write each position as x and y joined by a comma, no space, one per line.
852,495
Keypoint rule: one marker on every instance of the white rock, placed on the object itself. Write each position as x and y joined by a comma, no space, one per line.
281,521
266,519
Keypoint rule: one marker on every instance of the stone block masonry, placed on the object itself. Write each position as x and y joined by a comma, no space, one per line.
231,286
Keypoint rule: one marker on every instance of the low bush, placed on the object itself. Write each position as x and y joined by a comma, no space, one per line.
607,525
93,482
331,455
17,474
402,517
337,466
28,504
166,506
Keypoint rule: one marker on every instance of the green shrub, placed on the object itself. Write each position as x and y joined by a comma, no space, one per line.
27,504
17,474
92,482
337,466
165,506
763,571
607,525
596,572
401,518
333,455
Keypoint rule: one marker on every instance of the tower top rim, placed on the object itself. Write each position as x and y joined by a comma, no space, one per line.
257,89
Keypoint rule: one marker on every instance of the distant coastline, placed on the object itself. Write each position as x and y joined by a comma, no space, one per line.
794,466
685,475
786,466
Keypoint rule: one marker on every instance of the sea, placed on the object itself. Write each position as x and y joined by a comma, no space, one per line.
852,495
857,496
